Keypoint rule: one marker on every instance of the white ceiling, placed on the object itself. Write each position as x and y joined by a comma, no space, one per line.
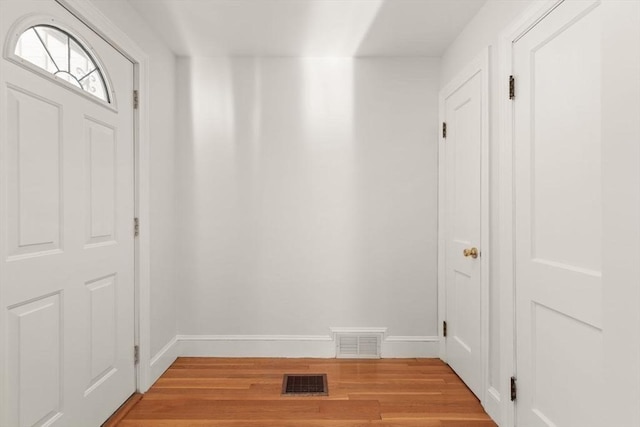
308,27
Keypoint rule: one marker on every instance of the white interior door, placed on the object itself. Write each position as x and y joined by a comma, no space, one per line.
558,218
463,219
67,244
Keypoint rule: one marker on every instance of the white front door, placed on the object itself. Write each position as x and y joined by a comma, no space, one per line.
67,243
557,67
463,218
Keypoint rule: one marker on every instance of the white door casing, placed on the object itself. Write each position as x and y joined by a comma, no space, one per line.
557,143
464,223
67,253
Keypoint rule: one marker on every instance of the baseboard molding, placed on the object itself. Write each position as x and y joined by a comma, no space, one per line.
317,346
410,346
492,404
163,359
314,346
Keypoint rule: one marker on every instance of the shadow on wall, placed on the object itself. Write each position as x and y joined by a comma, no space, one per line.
307,195
395,112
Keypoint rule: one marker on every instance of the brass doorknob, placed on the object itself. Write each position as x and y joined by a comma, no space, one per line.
473,253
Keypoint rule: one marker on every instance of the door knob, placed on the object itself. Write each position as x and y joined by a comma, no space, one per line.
473,253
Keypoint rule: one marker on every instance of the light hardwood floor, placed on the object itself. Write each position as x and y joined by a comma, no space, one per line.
246,392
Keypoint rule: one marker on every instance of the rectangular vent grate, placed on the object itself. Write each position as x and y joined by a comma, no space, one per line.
353,346
305,385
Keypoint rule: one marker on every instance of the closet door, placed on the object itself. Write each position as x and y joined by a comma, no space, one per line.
464,222
558,143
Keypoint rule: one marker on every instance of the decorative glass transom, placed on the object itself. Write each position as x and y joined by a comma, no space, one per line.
62,55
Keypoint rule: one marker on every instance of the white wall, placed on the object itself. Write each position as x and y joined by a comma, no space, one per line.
307,195
482,31
162,173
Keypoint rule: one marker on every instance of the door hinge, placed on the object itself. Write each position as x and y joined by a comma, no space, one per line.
444,130
512,87
136,100
514,389
444,328
136,354
136,227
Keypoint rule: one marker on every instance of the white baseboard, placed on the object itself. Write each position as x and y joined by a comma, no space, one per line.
315,346
319,346
492,404
410,346
163,359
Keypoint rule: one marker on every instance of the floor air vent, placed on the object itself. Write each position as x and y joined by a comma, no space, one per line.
305,385
351,346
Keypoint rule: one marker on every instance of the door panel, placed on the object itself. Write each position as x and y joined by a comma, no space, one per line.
35,344
103,333
558,217
100,148
67,249
463,143
34,173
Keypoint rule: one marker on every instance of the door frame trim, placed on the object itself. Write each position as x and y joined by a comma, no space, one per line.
506,226
479,65
91,16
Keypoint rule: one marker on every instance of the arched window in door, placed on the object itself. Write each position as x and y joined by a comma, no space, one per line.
63,56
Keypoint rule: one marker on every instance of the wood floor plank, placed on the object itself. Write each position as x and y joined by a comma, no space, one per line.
122,411
278,423
306,423
229,392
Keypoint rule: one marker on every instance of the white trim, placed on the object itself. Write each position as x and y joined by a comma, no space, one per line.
410,346
254,338
506,273
442,185
493,404
88,13
412,338
485,224
365,330
163,359
480,65
315,346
